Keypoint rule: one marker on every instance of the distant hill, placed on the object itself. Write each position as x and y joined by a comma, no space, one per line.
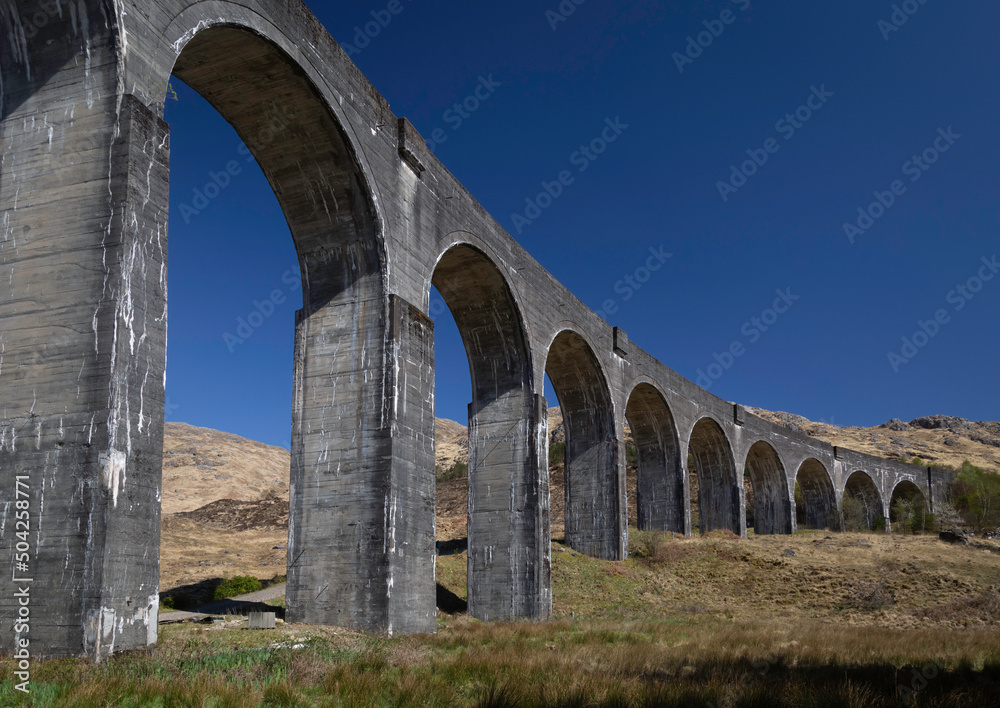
938,440
202,465
225,498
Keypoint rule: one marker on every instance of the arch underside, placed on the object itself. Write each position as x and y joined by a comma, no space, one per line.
771,507
508,491
303,152
718,490
660,486
818,503
593,507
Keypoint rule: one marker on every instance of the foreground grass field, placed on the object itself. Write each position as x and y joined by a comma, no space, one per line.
809,620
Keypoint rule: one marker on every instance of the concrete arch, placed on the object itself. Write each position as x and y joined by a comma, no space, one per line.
301,146
816,500
347,450
594,510
311,163
771,510
660,488
508,491
908,508
862,507
713,467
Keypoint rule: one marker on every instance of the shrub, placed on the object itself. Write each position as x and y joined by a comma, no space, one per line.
631,455
862,512
557,453
645,544
976,496
459,469
233,587
911,516
854,514
872,594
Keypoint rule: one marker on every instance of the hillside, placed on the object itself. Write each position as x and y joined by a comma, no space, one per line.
225,507
938,440
202,465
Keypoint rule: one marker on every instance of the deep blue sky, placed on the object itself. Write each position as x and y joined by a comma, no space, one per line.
656,186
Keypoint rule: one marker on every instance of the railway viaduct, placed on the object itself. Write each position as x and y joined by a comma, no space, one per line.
376,220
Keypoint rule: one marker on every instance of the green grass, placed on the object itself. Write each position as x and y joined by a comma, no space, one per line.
234,587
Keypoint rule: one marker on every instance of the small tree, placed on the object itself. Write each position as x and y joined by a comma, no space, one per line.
976,497
862,511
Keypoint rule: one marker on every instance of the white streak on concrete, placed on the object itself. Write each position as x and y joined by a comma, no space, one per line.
113,464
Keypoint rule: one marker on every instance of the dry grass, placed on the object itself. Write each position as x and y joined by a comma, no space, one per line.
808,619
892,582
191,552
677,662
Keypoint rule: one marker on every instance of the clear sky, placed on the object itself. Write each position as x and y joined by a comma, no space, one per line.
748,135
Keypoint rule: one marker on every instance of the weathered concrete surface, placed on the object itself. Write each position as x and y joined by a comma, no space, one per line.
375,219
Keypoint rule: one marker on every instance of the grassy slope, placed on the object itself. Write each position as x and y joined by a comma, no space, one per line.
708,621
705,621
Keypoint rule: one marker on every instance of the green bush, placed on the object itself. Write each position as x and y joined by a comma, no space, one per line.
645,544
233,587
909,515
631,455
557,453
459,469
976,496
167,602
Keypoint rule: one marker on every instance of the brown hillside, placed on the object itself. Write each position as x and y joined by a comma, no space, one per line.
941,441
201,466
225,498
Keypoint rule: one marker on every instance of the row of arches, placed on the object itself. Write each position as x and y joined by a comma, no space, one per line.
704,485
342,260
